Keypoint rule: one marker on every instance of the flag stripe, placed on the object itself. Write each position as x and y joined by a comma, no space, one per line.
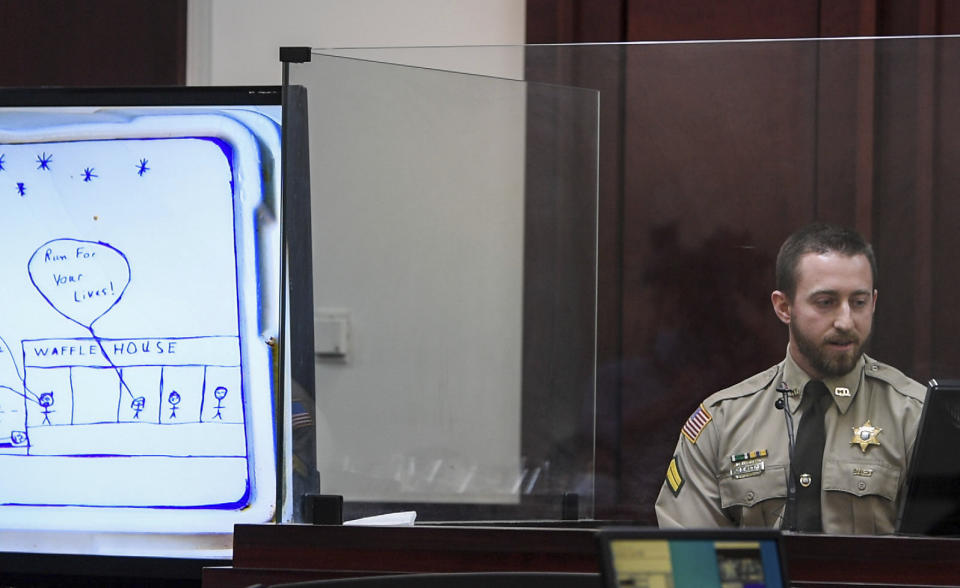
696,423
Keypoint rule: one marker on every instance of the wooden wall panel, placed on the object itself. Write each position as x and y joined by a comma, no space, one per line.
844,120
719,165
567,21
945,343
851,133
848,18
589,67
902,203
93,43
659,20
575,21
916,205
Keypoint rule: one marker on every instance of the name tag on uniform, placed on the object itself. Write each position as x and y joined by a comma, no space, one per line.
747,469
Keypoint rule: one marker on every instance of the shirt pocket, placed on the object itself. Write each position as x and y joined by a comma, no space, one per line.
861,495
755,501
861,479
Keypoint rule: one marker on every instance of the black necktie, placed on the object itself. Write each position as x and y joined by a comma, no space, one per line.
808,456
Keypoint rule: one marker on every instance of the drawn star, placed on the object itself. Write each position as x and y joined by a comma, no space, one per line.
88,174
865,435
142,167
21,189
44,160
2,156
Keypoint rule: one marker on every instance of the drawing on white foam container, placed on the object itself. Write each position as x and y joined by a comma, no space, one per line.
142,380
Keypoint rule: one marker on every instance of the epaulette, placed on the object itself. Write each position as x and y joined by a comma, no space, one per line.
748,387
895,378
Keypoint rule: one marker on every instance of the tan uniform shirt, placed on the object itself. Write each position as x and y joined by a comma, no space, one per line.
730,466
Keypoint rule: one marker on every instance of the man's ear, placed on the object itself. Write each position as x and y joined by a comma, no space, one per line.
874,309
781,306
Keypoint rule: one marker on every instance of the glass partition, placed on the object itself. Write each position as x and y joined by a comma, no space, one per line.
708,154
454,232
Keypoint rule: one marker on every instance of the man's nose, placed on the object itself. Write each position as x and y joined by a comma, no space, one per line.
844,319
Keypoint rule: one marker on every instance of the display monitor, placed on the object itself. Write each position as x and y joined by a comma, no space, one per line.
731,558
141,253
932,487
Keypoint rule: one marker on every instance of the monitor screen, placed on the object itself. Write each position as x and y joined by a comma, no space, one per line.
645,558
932,487
140,294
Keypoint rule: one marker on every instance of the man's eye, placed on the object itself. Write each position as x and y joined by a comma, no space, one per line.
824,302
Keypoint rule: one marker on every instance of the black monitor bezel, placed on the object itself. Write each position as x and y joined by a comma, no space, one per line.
141,96
606,536
914,516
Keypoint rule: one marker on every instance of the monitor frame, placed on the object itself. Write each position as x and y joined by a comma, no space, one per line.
606,537
930,503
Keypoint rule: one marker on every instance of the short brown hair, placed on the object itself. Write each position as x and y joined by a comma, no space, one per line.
818,238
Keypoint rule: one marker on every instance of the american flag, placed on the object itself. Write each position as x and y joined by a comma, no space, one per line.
301,416
695,424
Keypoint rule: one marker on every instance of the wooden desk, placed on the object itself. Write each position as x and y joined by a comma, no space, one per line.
272,554
814,560
269,553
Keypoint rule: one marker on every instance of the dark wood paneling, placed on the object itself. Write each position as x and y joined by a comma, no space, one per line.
946,212
575,21
843,119
902,203
916,186
551,21
414,549
717,155
93,43
895,17
916,204
848,18
720,165
949,15
597,67
824,560
660,20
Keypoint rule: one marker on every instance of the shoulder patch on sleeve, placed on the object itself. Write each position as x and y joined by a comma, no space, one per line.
696,424
674,477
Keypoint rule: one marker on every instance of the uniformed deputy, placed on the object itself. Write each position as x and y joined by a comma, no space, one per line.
732,464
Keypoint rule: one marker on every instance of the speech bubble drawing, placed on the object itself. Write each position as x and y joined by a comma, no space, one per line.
82,280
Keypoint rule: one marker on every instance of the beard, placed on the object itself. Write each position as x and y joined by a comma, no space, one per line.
828,362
